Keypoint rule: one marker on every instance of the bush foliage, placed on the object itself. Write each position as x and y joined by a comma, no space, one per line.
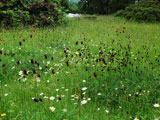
103,6
143,11
19,12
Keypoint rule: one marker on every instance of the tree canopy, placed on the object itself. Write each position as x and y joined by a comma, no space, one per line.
104,6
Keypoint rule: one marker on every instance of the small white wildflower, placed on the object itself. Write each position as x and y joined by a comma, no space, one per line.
40,68
83,102
85,88
38,80
52,109
52,98
33,98
45,97
24,80
89,99
57,89
62,95
136,118
48,81
77,53
98,109
6,94
107,111
66,89
13,67
156,119
156,105
64,110
20,72
41,94
120,107
99,93
84,81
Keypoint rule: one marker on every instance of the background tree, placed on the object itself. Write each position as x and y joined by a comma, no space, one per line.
104,6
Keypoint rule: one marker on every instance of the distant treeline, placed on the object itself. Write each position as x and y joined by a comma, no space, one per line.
136,10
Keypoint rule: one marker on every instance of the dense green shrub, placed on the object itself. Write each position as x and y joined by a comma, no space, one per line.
16,12
144,11
103,6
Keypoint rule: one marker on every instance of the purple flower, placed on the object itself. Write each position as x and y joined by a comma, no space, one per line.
35,99
95,74
53,72
20,43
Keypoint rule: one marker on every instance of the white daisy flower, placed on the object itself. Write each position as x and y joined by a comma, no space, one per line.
52,98
107,111
85,88
156,105
52,109
83,102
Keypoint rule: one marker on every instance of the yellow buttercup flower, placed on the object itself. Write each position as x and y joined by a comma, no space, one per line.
3,114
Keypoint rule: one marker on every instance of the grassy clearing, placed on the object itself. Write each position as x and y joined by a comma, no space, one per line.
99,69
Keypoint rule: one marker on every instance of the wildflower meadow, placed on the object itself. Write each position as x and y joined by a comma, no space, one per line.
104,68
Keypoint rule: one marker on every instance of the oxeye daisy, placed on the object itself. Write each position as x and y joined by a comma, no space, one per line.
83,102
52,98
136,118
52,109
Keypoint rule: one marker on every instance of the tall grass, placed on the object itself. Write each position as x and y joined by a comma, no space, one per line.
92,69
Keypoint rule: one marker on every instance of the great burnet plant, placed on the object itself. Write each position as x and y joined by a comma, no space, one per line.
37,13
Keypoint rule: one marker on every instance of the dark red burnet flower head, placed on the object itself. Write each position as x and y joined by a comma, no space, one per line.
0,51
36,100
25,72
53,72
45,56
108,69
39,75
67,63
20,43
95,74
140,89
40,99
18,62
32,61
136,95
3,65
31,36
76,42
34,71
